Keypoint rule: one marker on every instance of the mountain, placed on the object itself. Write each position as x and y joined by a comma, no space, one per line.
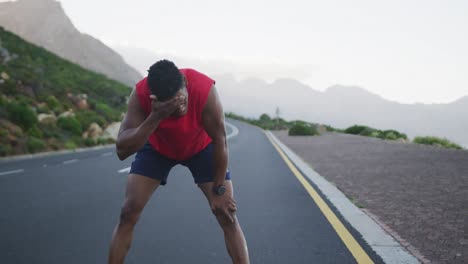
45,23
339,106
48,103
344,106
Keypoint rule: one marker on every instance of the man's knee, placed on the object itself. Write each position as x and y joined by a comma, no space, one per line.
130,213
225,221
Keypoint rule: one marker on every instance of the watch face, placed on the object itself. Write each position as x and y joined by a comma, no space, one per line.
221,190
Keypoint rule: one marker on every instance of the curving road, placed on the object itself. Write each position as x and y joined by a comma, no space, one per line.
62,209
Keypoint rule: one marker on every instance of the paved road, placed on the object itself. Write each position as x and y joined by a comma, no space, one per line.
62,209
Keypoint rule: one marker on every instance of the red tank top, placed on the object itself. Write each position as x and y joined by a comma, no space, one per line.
180,138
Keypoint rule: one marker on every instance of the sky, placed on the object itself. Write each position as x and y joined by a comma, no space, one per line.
405,51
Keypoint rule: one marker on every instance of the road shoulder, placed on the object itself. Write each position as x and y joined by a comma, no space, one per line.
380,241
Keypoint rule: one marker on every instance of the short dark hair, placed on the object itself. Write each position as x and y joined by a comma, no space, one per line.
164,79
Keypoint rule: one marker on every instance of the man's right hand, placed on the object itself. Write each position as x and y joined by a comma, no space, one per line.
162,110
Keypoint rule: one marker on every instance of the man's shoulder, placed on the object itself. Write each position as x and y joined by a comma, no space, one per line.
142,86
142,82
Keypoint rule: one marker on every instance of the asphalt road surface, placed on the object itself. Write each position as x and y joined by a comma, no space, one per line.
63,209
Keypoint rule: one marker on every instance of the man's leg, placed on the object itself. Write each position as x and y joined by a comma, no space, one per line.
139,190
233,235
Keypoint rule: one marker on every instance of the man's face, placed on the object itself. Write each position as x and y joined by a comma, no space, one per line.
183,107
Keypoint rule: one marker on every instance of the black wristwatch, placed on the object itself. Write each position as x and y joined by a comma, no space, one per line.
219,190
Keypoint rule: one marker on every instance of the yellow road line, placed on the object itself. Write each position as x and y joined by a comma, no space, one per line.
353,246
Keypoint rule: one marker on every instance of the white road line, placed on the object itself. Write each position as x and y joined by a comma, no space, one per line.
70,161
235,132
126,170
106,154
11,172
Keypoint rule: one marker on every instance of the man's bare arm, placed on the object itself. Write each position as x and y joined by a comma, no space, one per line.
135,129
213,122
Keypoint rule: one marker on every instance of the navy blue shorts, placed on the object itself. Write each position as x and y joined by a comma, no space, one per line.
150,163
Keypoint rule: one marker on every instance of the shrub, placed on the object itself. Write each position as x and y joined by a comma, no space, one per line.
21,115
35,145
3,132
107,112
53,104
9,87
21,99
301,129
390,135
5,150
89,142
70,124
355,130
102,141
35,132
443,142
3,101
393,135
70,145
265,118
87,117
372,132
367,131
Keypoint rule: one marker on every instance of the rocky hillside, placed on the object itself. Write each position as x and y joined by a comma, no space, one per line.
44,23
48,103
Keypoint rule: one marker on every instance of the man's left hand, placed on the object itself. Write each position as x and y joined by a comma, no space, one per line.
224,205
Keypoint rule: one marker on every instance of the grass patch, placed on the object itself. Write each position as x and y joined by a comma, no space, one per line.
435,141
356,202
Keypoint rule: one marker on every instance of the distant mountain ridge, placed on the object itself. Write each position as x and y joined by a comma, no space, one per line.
339,106
343,106
45,23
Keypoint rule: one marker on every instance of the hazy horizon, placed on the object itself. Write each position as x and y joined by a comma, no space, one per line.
220,70
406,52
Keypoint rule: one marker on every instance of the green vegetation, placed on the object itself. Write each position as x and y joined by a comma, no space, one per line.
70,124
108,113
89,142
265,121
47,74
5,150
70,145
34,81
53,104
333,129
35,145
86,118
302,129
35,132
21,114
442,142
355,202
372,132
